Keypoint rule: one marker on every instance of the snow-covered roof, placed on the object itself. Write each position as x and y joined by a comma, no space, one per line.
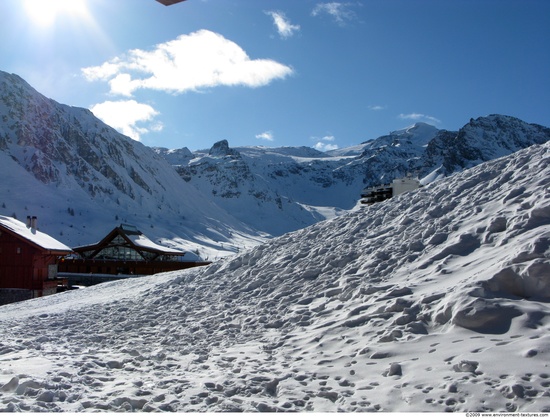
31,234
144,242
134,236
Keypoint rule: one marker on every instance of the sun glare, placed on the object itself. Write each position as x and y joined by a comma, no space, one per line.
45,13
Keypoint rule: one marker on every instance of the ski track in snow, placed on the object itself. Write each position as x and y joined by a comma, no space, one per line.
433,301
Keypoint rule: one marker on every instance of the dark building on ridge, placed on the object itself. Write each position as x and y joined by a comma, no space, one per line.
376,194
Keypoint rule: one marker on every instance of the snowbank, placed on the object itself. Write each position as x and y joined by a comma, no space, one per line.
436,300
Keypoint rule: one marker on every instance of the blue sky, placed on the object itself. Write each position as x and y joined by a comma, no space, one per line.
324,74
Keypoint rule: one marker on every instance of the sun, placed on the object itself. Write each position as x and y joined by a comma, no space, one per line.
45,13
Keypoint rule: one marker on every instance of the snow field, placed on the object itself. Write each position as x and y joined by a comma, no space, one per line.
436,300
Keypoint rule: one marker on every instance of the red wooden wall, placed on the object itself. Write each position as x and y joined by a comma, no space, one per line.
22,265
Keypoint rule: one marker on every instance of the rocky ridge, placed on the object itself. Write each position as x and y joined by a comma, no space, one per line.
300,184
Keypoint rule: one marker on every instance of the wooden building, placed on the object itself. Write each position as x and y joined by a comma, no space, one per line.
28,260
124,251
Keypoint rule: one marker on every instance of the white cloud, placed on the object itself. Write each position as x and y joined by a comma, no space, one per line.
413,116
202,59
327,137
322,146
340,12
419,117
123,85
104,71
324,143
284,27
266,136
126,115
377,107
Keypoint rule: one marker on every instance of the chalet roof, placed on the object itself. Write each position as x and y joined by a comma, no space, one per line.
32,235
136,238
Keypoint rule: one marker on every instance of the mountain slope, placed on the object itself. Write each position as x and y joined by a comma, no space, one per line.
81,177
285,189
242,181
481,140
436,300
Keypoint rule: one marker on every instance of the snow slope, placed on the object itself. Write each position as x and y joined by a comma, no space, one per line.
436,300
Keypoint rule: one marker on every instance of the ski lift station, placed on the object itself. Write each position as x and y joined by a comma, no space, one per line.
124,252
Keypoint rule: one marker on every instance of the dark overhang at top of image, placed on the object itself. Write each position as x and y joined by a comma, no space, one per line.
169,2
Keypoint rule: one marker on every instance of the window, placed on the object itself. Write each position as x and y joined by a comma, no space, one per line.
119,251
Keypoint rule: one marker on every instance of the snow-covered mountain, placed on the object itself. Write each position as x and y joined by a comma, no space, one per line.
436,300
285,189
81,178
270,189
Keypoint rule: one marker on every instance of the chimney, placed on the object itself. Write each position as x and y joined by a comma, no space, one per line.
33,222
28,221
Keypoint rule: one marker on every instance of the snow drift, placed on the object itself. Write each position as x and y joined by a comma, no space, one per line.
436,300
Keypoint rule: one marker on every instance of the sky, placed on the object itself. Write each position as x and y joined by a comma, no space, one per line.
323,74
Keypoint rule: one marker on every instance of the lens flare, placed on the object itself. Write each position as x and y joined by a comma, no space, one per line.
45,13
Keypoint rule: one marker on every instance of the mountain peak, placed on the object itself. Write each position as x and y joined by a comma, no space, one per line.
419,132
221,149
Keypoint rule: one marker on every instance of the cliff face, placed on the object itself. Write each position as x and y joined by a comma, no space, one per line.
55,142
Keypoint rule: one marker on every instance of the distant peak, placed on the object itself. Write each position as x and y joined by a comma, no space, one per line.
420,133
15,79
221,149
496,116
495,119
419,124
422,125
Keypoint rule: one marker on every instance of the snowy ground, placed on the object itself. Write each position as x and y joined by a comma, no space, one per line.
434,301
